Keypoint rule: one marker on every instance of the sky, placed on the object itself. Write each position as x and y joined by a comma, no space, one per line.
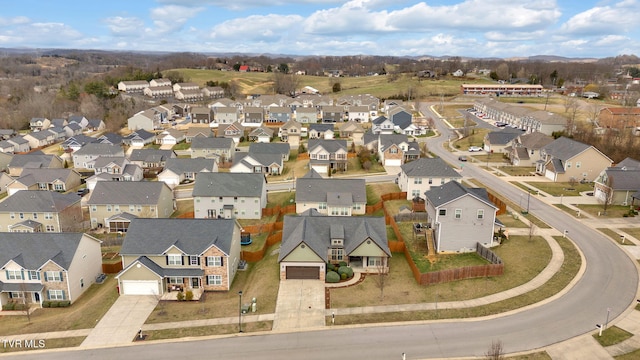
467,28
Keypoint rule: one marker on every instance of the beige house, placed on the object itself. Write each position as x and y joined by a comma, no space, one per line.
353,131
218,148
565,159
335,196
19,162
45,179
164,257
145,199
40,211
62,269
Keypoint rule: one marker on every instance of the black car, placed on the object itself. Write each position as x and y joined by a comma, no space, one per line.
83,192
462,158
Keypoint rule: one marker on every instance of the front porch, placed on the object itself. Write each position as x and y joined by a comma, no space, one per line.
173,295
175,285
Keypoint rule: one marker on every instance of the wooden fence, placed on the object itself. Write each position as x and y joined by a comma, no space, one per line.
113,268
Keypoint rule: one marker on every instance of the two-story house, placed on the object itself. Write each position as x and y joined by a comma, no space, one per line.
460,217
201,115
353,131
526,148
45,179
225,115
306,115
262,134
19,162
417,177
40,211
114,169
164,257
151,158
279,114
258,163
281,149
501,141
39,124
39,267
332,114
382,125
218,148
84,157
179,170
321,131
565,159
234,131
40,139
327,156
396,149
618,185
148,199
336,197
253,116
229,195
291,132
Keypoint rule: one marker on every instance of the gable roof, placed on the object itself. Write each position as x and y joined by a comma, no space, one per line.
38,201
320,127
151,155
211,143
32,160
629,164
426,167
503,137
330,145
564,148
229,184
452,190
535,140
102,161
32,250
269,148
184,165
623,178
316,230
262,159
387,140
127,192
318,189
192,236
47,175
100,149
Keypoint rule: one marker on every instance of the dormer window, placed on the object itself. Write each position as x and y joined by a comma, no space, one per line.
337,242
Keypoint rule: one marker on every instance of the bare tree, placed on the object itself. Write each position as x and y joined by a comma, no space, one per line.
495,351
381,279
503,71
569,102
23,289
571,121
607,191
532,230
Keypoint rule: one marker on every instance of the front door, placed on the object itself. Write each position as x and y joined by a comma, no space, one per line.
195,283
36,297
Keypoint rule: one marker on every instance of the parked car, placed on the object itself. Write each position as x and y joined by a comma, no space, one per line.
474,148
462,158
83,192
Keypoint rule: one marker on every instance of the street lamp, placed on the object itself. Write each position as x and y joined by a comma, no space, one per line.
240,312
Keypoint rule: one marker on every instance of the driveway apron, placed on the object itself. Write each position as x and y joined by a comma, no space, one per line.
121,323
300,305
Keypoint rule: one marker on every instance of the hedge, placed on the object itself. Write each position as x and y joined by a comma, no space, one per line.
332,277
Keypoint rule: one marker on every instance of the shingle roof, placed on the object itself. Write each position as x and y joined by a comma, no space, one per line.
127,192
503,137
315,231
151,155
262,159
102,161
440,195
100,149
329,145
629,164
320,127
564,148
192,236
229,184
624,179
47,175
313,189
211,143
38,201
386,140
20,160
425,167
269,148
535,140
32,250
184,165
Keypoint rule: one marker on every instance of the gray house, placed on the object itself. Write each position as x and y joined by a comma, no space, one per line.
279,114
40,211
179,170
418,176
460,217
253,116
85,156
213,148
332,114
619,184
281,149
335,196
229,195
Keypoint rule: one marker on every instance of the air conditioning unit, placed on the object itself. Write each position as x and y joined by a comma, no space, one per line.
624,203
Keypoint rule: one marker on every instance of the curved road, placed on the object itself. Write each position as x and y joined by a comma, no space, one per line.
609,282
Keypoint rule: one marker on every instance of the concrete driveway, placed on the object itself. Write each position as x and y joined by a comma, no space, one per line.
122,322
300,305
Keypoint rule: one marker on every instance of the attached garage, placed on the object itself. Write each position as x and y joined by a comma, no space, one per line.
393,162
303,272
139,287
320,169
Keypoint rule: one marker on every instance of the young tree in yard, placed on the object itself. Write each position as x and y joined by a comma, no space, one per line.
380,279
495,351
607,192
532,230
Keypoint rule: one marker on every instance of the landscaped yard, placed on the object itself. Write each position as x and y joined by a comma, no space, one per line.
635,232
354,167
261,281
518,170
510,221
393,206
455,118
485,157
183,206
374,191
613,212
281,198
560,188
611,336
82,314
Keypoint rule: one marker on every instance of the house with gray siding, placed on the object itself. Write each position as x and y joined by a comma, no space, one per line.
229,195
330,196
418,176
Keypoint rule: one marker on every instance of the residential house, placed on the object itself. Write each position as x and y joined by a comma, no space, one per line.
19,162
6,134
417,177
148,199
114,169
96,125
151,158
258,163
312,240
280,114
201,115
5,159
262,134
500,141
59,122
382,125
112,138
195,131
460,217
59,134
359,114
543,121
389,104
170,137
190,95
327,156
185,86
336,197
565,159
40,211
72,129
526,148
253,116
222,149
396,149
234,131
134,86
229,195
39,139
139,138
290,133
617,185
149,119
84,157
353,131
5,180
158,91
282,149
39,124
332,114
43,267
213,92
45,179
371,102
321,131
306,115
179,170
20,144
78,119
619,117
76,142
165,257
160,82
6,147
225,115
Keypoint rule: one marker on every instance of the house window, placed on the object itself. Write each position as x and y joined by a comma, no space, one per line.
417,181
56,294
94,208
35,216
14,274
430,181
34,275
16,295
42,186
48,216
81,282
337,254
139,208
50,228
568,164
578,164
194,260
12,215
21,215
357,206
374,261
173,259
109,208
322,206
458,214
53,276
58,187
415,193
442,181
174,280
214,279
214,261
132,208
116,208
442,212
393,150
480,214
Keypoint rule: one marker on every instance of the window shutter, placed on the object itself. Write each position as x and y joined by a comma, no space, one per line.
167,259
182,260
198,260
208,280
221,260
61,276
22,277
38,275
48,293
6,274
63,297
46,278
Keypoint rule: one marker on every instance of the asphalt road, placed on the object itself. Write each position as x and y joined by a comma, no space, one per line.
610,281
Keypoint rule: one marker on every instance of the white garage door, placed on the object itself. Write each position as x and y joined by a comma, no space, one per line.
139,287
321,169
393,162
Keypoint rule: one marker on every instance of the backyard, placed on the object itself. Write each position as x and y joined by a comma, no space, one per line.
374,191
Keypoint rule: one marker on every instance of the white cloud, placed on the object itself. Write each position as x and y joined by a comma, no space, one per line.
17,20
258,28
124,26
247,4
604,19
172,18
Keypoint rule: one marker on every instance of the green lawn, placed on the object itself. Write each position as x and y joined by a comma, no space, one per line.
635,232
374,191
518,170
281,198
561,188
612,335
182,146
613,212
208,330
615,236
475,139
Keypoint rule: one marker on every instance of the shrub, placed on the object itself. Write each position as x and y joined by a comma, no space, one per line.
347,271
342,263
188,295
54,304
66,303
343,276
180,296
9,306
46,304
332,277
20,307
